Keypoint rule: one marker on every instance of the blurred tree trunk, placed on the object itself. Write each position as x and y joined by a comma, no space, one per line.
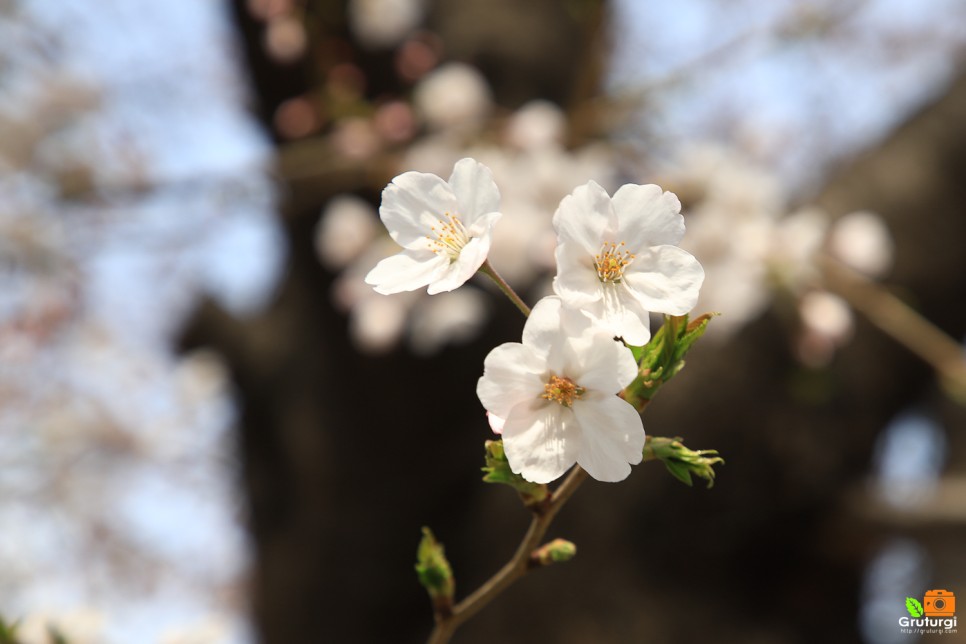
342,465
343,460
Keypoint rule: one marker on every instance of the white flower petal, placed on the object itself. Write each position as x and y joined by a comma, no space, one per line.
665,279
541,440
549,320
564,358
412,204
576,281
648,216
606,366
457,273
612,436
477,194
407,271
512,374
582,217
496,423
542,328
622,315
483,226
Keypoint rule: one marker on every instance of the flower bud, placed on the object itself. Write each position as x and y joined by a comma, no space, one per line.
680,461
434,572
556,551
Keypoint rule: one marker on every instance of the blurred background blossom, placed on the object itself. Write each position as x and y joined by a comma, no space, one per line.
132,182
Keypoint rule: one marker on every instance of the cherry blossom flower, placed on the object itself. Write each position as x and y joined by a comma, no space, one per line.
617,259
862,240
553,398
454,96
444,228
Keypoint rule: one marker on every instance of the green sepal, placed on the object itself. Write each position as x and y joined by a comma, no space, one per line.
663,357
497,470
679,471
680,461
434,572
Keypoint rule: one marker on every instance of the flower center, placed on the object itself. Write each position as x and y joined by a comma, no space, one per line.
611,261
448,237
562,390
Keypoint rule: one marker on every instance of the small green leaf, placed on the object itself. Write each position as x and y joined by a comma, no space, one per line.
681,461
663,356
914,607
690,333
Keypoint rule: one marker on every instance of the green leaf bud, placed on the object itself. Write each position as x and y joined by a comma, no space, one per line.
434,572
556,551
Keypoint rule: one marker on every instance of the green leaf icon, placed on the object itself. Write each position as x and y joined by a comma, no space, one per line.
914,607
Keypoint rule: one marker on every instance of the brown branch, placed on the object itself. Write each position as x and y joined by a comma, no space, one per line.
895,318
517,567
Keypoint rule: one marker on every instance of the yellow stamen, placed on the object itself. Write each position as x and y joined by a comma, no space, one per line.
450,237
562,390
611,261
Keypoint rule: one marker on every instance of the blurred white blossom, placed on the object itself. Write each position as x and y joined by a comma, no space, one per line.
740,228
827,324
133,181
731,217
381,24
345,229
536,125
862,241
449,318
453,96
377,323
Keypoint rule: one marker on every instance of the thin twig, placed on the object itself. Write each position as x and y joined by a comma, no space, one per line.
517,567
488,270
899,321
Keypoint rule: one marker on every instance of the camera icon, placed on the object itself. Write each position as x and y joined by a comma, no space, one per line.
939,603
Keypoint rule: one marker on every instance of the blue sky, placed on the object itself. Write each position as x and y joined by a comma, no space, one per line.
794,103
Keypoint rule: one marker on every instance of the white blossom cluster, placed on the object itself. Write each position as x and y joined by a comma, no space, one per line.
552,397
